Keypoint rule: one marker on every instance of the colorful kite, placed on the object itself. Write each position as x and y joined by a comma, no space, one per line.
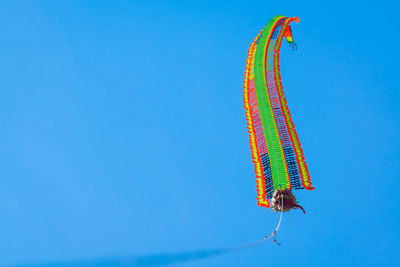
277,154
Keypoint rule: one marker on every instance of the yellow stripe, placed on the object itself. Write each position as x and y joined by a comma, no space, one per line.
261,196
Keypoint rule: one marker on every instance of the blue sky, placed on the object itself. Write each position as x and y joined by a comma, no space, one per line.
123,132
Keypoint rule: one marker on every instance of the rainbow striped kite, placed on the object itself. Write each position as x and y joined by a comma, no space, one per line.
277,154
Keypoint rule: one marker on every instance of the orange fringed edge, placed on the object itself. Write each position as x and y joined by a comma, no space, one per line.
260,179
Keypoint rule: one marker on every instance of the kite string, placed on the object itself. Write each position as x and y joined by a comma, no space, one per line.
248,245
291,220
273,234
280,217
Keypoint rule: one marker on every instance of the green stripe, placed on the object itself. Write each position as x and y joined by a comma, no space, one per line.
278,163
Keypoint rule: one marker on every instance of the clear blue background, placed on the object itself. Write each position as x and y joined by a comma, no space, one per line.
123,131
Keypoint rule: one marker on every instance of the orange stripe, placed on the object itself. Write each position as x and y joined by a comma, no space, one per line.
261,187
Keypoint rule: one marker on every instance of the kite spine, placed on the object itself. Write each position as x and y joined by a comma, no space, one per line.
277,159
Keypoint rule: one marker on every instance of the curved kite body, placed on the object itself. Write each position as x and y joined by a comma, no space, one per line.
276,150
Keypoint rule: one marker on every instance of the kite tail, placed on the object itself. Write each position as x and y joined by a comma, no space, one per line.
298,206
289,38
